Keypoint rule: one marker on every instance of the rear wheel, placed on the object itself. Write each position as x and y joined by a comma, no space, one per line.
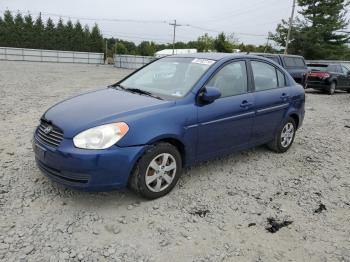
331,89
284,138
157,171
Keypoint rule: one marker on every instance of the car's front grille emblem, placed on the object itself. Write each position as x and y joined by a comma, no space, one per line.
48,129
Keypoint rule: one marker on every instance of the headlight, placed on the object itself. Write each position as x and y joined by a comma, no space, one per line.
101,137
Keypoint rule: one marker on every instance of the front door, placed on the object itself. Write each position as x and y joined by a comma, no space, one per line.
226,124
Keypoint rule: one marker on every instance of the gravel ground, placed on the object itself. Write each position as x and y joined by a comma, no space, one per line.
250,206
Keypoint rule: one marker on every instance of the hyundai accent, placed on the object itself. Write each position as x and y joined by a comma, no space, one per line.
174,112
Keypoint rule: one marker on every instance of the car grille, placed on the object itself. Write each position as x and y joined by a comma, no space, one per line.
52,138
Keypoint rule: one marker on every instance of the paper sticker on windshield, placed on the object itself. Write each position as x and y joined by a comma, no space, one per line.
177,93
203,61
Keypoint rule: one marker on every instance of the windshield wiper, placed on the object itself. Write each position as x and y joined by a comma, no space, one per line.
118,85
142,92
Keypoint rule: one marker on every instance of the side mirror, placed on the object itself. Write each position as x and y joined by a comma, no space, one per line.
209,94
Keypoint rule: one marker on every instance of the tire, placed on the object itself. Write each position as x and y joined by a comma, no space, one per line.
331,89
149,178
348,90
281,144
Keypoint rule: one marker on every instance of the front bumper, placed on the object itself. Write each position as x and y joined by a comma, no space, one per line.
87,170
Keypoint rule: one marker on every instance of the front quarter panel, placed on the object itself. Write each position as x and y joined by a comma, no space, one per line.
171,123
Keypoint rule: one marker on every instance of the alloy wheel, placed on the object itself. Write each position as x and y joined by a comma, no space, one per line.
287,135
160,172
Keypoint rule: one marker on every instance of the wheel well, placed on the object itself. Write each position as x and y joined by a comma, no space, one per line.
295,118
178,144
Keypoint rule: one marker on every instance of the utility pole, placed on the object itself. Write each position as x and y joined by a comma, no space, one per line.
175,24
291,19
106,51
267,43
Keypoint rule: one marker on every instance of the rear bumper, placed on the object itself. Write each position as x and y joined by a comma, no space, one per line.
87,170
318,84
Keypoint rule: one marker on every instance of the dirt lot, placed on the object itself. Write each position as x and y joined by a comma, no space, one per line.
219,211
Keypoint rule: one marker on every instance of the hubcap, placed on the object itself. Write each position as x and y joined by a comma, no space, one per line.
287,135
160,172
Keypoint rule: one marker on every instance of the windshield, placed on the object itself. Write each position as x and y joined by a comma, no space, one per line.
169,77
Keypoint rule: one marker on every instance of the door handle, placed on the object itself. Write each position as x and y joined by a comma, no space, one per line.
284,96
246,104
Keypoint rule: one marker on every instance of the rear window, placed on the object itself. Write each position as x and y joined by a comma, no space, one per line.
294,61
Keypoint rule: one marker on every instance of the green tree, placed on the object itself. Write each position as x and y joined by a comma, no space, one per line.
38,33
28,32
18,30
87,38
69,36
315,34
9,29
60,35
96,40
147,48
78,37
205,43
2,32
222,44
120,49
50,35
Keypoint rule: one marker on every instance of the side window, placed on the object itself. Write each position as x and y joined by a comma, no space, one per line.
265,76
299,62
231,79
281,78
289,61
273,58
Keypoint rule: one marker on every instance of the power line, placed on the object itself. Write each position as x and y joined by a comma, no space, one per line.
241,12
220,31
84,18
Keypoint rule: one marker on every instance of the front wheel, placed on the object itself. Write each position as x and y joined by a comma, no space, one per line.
331,89
157,171
284,138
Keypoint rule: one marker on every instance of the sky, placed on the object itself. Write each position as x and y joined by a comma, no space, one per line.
137,20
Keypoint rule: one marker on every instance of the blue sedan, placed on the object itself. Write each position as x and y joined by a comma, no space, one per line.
170,114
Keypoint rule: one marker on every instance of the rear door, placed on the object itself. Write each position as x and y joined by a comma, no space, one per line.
345,72
271,100
296,67
337,74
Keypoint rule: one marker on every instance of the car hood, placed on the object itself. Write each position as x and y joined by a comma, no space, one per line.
97,108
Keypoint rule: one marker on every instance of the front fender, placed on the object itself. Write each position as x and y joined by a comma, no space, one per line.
169,123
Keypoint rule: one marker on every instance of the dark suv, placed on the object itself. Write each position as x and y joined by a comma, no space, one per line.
295,65
328,77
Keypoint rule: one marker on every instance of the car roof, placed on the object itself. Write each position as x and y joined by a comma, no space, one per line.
269,54
217,56
322,64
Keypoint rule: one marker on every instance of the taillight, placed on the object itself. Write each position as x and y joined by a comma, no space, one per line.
323,75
